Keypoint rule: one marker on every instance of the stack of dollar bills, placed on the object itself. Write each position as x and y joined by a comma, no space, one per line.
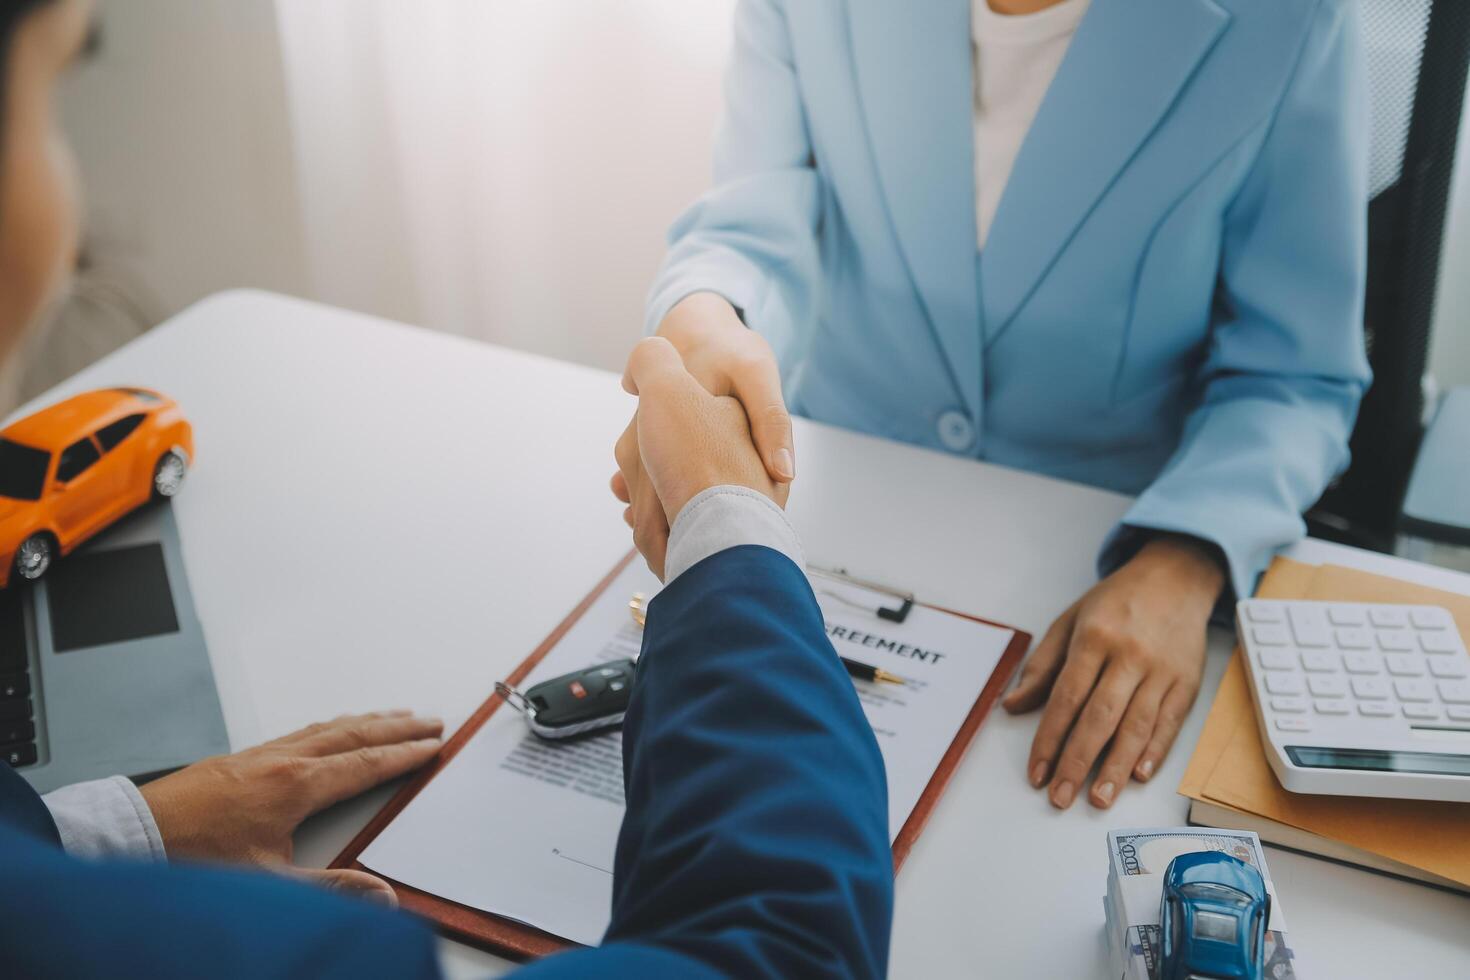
1137,860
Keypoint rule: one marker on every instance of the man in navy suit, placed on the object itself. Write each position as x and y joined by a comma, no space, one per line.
755,840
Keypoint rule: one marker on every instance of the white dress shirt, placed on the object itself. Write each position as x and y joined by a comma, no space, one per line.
105,818
108,818
724,517
1016,58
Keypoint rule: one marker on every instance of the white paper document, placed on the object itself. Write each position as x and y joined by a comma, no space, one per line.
527,829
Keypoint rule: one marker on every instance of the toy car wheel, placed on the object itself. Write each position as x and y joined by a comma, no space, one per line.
168,475
34,556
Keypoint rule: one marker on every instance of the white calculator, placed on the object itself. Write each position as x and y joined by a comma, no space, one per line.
1360,699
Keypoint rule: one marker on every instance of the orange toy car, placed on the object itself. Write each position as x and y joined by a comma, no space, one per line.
72,469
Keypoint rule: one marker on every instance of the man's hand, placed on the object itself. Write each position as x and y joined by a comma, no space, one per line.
243,808
682,441
1122,666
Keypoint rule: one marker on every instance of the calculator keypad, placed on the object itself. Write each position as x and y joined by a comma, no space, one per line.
1330,665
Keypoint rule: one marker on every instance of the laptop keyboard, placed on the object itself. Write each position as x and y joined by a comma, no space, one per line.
17,705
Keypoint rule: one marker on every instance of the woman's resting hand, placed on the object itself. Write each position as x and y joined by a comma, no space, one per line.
1119,670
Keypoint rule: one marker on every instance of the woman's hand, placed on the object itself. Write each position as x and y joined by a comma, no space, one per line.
728,358
243,808
681,442
1122,665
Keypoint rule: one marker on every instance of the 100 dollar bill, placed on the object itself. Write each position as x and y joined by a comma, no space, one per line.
1135,945
1148,852
1144,947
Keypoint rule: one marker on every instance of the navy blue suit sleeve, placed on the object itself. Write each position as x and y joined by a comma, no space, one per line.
756,836
21,809
755,842
62,917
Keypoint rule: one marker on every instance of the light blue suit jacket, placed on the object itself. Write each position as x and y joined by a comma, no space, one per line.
1169,303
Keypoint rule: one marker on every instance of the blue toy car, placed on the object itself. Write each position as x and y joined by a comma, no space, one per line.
1213,919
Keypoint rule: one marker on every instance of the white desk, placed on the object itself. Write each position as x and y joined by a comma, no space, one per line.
382,516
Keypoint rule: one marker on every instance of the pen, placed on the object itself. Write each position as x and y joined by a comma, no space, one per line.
865,672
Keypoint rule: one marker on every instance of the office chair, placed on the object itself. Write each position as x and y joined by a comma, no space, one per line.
1417,56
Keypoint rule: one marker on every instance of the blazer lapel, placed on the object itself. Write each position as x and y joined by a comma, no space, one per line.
1124,69
915,82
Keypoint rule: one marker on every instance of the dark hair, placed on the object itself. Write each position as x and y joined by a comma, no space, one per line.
12,12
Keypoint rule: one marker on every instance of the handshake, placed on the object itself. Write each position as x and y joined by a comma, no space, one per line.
684,440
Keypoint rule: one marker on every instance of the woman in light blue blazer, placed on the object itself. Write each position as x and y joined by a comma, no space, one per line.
1167,301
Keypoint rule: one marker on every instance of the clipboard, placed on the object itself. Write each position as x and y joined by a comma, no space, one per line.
519,941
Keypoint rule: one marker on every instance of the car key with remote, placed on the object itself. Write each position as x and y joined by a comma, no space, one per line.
585,701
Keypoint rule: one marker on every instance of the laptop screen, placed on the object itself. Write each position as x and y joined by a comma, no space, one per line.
103,597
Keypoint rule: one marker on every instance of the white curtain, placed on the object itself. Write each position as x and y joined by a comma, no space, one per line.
502,169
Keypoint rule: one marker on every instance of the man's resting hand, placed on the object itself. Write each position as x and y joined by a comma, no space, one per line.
243,808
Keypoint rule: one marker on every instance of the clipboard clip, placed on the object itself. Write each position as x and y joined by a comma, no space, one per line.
896,614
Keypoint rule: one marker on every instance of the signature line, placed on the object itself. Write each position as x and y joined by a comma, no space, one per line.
568,857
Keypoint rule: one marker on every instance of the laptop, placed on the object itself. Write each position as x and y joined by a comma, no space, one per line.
103,667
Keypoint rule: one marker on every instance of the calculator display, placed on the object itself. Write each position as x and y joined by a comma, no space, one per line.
1377,760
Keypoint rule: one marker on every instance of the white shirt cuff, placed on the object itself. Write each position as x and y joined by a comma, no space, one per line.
725,517
105,818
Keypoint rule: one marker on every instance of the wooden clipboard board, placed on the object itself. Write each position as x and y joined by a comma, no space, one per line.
516,940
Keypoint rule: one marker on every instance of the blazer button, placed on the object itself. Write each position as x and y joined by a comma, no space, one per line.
956,431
